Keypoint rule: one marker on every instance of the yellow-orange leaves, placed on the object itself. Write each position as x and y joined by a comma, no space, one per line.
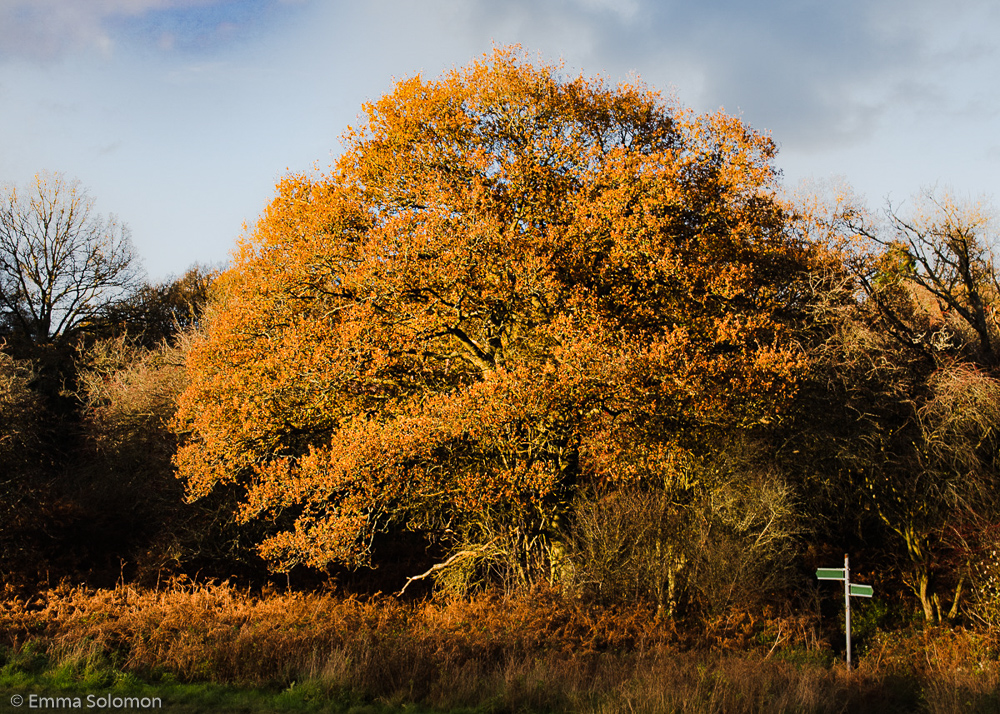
509,285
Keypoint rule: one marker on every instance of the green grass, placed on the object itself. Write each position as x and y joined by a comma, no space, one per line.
710,686
206,697
27,671
196,698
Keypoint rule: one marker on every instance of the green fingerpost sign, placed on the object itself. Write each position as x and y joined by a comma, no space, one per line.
849,591
830,573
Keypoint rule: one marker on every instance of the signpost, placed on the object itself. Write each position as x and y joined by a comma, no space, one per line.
849,590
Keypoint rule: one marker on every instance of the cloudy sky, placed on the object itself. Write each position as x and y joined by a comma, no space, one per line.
179,116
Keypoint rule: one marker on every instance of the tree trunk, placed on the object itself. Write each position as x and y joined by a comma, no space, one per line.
923,581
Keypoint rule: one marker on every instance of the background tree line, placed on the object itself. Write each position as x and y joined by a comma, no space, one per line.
528,329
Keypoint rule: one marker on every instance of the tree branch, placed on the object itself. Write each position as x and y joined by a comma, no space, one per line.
460,555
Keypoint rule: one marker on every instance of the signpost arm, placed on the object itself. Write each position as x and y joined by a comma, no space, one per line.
847,606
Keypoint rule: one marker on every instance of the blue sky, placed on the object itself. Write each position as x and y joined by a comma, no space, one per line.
180,116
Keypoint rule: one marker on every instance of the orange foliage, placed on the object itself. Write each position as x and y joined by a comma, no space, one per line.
510,284
219,632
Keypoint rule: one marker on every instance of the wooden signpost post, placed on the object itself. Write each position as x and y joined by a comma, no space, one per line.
849,590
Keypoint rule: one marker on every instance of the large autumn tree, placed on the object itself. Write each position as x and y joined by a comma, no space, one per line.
511,286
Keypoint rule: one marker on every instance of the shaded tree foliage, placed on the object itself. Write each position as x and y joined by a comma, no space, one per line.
160,312
724,539
21,442
122,480
898,415
85,451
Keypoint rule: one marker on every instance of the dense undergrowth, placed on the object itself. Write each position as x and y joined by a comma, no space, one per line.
214,647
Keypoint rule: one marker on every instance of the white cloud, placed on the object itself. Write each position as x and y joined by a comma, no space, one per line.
816,74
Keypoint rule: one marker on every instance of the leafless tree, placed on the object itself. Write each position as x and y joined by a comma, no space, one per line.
61,263
932,272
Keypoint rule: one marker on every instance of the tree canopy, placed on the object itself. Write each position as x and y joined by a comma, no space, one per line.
511,286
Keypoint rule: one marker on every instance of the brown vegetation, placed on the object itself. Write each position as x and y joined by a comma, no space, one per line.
537,652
